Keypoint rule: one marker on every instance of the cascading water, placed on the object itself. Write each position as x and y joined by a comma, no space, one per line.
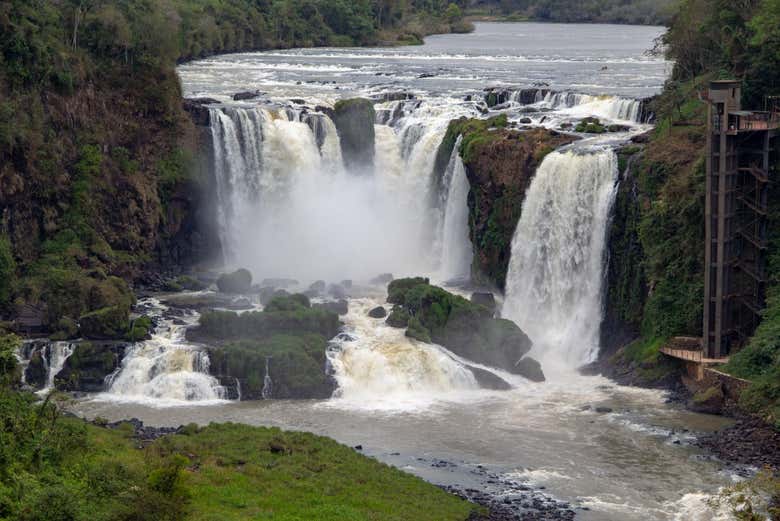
583,105
456,249
59,352
165,367
287,207
555,279
377,366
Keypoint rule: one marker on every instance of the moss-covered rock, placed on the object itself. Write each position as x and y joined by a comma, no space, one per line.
500,164
295,364
397,289
106,323
417,331
354,120
590,126
398,317
182,283
140,329
467,329
709,401
240,281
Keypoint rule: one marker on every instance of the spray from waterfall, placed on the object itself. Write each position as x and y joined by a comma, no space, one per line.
555,280
287,207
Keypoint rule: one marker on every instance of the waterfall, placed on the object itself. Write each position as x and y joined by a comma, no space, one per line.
378,366
287,208
583,105
456,249
59,352
555,279
165,367
268,384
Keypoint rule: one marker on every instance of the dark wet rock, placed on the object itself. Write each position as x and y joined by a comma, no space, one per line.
198,110
530,368
750,441
642,138
246,95
378,312
354,120
488,380
485,299
526,121
298,101
603,410
240,281
36,372
426,75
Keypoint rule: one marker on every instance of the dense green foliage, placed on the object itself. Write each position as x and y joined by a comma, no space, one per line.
55,468
708,39
94,144
655,12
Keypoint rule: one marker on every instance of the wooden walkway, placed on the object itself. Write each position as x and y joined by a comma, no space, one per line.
692,356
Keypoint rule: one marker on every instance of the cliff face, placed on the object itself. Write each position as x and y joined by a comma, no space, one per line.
500,164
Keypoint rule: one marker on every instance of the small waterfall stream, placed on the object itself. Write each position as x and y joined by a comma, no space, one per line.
555,279
456,249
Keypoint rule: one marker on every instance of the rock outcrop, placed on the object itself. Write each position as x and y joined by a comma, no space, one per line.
354,119
500,164
468,330
287,342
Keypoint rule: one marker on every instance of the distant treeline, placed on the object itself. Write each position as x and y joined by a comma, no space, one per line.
649,12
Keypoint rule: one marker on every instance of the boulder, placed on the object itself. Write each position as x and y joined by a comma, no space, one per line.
240,281
354,120
378,312
466,329
488,380
526,121
246,95
530,369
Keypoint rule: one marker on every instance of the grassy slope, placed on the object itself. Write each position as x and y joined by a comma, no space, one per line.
220,472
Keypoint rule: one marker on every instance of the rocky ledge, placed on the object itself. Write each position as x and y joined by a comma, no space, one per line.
500,163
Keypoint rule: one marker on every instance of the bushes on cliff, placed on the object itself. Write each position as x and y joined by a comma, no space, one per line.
7,270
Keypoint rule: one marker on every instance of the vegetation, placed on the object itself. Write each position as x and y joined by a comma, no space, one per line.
655,12
239,281
91,114
708,39
54,467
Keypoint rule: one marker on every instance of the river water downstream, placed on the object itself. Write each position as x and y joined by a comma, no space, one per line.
288,209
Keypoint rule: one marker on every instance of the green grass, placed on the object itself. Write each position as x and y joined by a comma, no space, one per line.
55,468
309,477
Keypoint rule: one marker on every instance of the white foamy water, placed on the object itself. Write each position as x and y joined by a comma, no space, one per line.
378,368
555,278
165,370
